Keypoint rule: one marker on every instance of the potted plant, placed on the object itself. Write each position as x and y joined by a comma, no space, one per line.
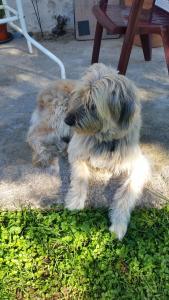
5,36
156,38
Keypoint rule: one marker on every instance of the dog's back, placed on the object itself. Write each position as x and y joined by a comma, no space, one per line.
47,125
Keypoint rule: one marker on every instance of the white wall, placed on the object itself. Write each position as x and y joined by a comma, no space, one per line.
47,10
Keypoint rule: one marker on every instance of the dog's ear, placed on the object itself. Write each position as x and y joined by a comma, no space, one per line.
123,101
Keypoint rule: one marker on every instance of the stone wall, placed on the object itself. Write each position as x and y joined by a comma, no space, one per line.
48,9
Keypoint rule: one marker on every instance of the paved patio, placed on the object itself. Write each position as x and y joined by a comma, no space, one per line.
22,76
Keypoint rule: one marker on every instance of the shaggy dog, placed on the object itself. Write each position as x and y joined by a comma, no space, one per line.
100,115
48,135
105,116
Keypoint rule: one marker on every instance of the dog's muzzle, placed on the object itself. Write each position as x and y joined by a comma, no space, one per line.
70,119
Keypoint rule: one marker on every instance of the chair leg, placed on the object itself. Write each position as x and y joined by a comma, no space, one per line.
97,43
125,56
165,38
129,36
146,42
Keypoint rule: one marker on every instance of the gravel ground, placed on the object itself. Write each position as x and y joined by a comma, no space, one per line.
22,76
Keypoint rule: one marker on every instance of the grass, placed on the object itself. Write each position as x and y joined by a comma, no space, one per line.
61,255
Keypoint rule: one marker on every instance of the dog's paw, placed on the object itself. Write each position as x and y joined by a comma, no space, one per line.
73,203
119,229
119,222
74,206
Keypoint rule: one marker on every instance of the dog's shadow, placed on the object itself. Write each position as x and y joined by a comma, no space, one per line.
101,191
64,173
63,177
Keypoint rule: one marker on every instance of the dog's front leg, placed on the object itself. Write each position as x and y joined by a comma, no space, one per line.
127,195
77,193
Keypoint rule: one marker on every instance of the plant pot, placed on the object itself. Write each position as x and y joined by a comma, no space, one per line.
5,36
156,38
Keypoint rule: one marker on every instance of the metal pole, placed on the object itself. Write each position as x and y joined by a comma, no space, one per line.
19,15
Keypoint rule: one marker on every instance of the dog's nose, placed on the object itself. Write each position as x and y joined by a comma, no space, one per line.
66,139
70,119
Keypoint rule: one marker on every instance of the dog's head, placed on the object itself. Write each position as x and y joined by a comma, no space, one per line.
103,102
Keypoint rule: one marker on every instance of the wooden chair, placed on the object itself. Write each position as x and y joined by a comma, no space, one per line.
119,19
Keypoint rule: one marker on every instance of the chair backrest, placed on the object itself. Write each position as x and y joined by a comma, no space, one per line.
145,9
147,4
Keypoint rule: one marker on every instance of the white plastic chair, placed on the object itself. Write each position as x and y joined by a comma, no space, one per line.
12,15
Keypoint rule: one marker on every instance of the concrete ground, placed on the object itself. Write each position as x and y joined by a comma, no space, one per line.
22,76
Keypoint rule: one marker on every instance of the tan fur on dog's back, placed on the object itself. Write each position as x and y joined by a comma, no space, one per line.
47,122
56,94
